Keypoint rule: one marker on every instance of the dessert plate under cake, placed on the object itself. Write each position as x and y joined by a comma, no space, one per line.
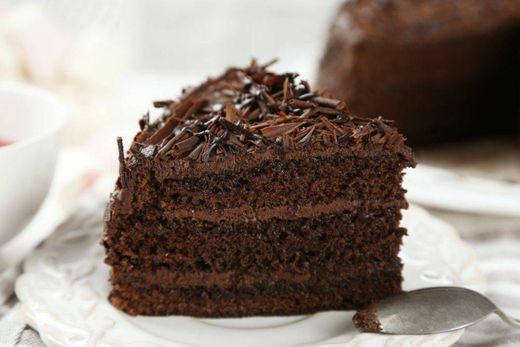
64,289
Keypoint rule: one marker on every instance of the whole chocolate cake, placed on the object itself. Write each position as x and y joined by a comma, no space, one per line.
254,195
441,69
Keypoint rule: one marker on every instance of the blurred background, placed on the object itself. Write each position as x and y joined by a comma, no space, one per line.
97,51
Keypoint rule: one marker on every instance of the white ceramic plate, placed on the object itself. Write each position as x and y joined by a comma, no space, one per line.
445,189
63,294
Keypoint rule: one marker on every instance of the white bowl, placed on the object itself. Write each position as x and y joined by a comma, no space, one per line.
33,119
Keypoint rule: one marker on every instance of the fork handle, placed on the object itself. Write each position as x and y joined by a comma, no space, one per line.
515,323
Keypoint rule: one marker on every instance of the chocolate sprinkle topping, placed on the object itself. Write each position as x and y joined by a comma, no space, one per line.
249,109
122,165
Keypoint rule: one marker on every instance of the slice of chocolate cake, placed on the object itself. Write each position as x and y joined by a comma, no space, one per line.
254,195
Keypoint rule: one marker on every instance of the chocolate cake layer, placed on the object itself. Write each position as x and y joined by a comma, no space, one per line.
318,181
329,176
217,195
165,278
278,298
289,212
254,195
301,244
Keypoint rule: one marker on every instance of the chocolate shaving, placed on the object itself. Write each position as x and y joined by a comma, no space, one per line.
277,95
235,142
277,130
144,122
263,106
285,90
187,144
181,108
327,102
122,165
307,113
308,136
260,125
253,115
363,131
307,96
231,112
296,103
211,148
330,125
269,63
197,105
238,130
163,132
196,152
268,98
327,110
179,137
162,103
306,86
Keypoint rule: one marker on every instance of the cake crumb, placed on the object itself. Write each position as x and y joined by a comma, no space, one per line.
366,320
